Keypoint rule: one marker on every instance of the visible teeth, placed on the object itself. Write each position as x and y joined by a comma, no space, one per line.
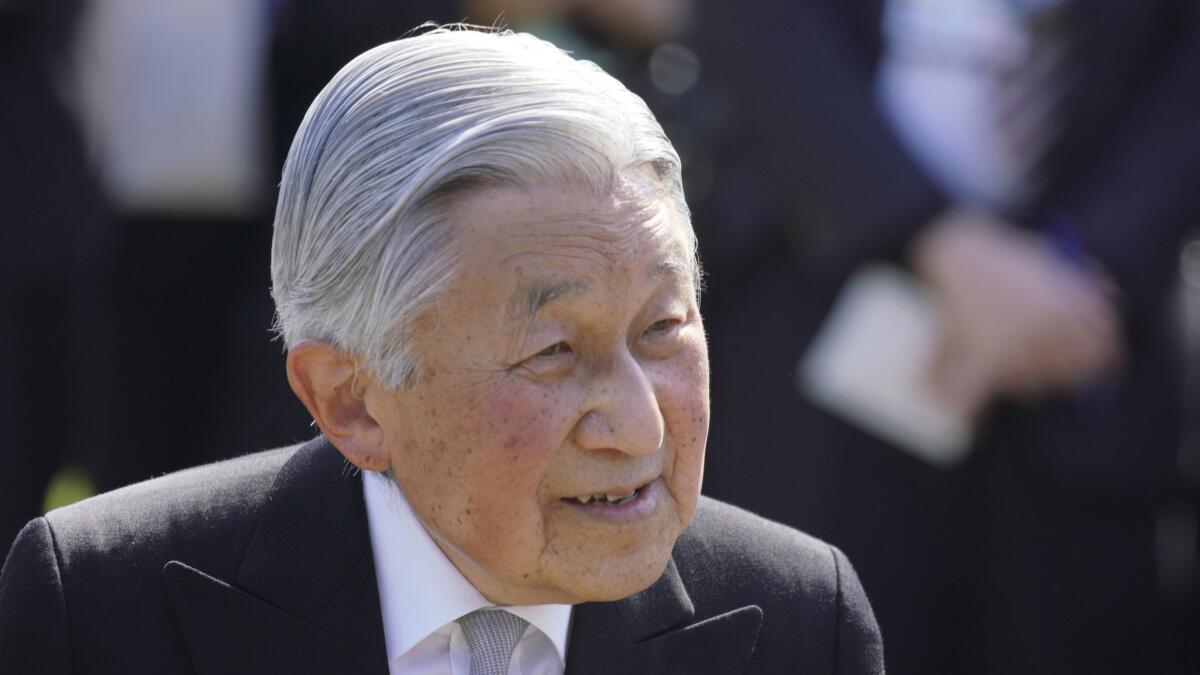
607,498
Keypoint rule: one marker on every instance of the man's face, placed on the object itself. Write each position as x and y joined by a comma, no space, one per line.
554,442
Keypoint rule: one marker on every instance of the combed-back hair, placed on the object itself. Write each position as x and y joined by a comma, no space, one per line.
361,246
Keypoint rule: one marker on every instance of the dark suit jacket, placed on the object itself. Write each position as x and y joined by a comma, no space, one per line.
263,564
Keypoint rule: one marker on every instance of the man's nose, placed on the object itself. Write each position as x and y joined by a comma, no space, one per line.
623,412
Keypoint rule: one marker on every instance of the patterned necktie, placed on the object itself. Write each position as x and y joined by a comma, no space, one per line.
1030,92
492,636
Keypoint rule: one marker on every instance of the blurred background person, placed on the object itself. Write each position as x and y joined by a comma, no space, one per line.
189,108
1031,166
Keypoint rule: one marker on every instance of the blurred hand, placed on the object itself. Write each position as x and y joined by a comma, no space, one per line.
1018,320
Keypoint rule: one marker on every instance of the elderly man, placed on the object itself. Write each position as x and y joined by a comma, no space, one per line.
486,279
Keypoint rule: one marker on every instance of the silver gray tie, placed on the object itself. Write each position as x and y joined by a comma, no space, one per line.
492,636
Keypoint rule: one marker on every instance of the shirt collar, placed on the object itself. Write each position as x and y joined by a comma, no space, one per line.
420,590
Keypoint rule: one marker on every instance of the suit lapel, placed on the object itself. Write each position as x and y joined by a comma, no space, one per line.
305,598
654,632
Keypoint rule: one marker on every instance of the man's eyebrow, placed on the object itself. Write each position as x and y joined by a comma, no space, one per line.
532,296
673,268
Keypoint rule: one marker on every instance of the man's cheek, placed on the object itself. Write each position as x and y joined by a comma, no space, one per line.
685,395
527,422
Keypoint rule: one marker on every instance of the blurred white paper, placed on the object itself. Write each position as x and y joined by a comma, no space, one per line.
869,364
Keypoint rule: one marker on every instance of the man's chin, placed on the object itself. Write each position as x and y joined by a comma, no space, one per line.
621,581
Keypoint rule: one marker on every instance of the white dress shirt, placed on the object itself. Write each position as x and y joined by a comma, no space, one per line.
937,87
421,594
172,97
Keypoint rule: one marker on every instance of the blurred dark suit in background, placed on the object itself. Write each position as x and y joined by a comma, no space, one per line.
1039,553
53,216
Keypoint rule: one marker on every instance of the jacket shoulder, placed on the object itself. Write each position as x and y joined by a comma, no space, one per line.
734,543
180,513
70,570
814,608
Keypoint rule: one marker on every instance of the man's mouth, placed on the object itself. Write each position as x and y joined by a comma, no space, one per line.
607,499
618,504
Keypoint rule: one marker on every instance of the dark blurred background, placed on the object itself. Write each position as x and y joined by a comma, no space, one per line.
1029,167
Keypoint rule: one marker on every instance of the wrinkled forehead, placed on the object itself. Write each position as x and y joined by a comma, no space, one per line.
575,233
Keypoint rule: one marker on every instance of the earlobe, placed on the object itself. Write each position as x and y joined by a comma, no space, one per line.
327,382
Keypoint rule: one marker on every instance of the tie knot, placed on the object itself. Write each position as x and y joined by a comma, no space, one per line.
492,635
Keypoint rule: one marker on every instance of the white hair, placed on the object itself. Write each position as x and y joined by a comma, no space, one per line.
361,247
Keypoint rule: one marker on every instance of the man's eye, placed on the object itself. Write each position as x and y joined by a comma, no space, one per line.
556,349
662,326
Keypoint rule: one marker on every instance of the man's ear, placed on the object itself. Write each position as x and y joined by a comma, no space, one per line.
324,379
